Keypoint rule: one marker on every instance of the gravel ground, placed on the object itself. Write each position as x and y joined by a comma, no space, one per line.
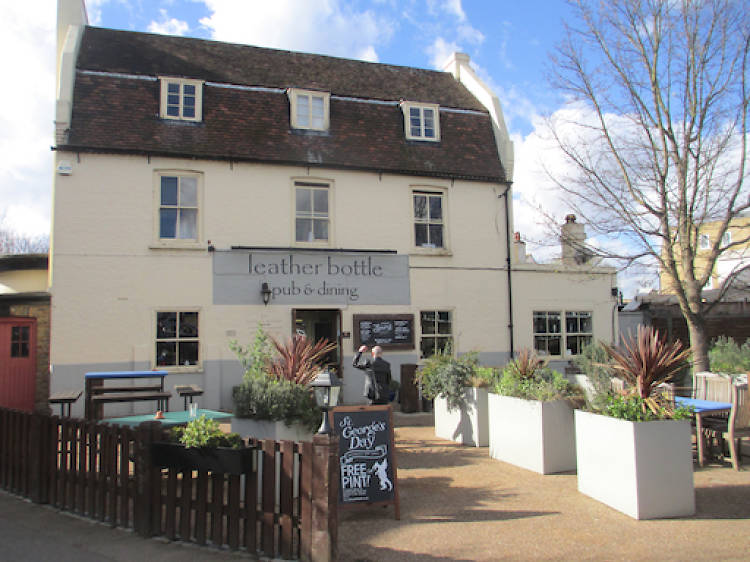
458,504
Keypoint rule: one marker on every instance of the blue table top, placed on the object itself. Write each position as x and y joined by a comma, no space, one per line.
125,374
170,418
701,406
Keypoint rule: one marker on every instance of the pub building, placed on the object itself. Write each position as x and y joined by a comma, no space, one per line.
204,188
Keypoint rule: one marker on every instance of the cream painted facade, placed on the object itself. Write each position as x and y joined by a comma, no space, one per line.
23,281
111,274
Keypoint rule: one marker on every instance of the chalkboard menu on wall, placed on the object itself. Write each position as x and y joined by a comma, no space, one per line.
389,331
366,455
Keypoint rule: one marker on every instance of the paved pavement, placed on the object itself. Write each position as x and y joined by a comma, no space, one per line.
456,504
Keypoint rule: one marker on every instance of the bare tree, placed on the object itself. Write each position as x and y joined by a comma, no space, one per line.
12,242
657,135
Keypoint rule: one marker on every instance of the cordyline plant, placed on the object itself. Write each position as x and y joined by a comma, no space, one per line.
298,359
646,361
527,364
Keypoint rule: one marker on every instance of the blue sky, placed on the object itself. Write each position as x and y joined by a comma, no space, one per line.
508,42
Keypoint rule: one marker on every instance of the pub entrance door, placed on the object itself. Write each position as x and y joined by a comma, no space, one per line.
17,363
321,324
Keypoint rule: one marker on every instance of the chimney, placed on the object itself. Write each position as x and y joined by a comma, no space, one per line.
519,248
71,20
573,242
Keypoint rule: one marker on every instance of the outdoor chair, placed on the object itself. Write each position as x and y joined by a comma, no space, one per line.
736,426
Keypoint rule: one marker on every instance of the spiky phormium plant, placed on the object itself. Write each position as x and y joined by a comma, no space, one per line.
298,359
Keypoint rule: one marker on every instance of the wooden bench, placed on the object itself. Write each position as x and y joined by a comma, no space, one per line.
65,399
98,394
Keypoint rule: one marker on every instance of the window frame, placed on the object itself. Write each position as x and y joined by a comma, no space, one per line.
176,242
165,81
196,367
294,122
563,334
436,335
312,184
406,108
429,190
704,245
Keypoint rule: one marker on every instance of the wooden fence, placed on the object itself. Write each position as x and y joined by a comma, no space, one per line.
283,503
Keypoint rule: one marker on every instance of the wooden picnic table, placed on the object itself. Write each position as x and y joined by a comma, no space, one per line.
97,393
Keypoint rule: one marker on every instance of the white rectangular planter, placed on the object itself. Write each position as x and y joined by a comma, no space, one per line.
535,435
466,425
267,429
643,469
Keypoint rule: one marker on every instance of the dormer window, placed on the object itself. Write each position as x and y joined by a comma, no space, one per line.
309,109
421,121
181,99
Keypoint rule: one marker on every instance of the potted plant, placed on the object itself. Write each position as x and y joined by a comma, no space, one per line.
273,401
456,385
201,445
635,455
531,416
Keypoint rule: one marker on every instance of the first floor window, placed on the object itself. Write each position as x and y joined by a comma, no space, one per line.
178,207
176,339
428,219
436,332
550,332
311,212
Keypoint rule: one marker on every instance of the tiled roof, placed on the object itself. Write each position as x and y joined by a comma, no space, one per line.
115,111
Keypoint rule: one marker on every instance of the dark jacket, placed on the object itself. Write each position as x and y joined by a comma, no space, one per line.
377,378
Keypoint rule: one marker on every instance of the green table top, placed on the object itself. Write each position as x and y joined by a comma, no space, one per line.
170,418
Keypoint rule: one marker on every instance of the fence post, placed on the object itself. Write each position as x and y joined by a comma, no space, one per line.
325,498
36,466
144,478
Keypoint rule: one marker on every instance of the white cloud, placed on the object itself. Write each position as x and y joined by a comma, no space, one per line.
94,11
28,32
439,52
454,7
168,26
327,27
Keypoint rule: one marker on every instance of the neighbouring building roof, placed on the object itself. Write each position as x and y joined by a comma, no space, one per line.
246,110
17,262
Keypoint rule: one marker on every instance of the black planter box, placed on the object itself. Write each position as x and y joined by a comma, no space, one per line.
215,459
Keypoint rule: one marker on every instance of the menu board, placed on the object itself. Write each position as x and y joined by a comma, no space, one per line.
389,331
367,460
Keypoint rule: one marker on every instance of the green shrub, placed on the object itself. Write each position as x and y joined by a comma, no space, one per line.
266,398
726,356
446,376
634,408
595,363
255,358
545,385
203,432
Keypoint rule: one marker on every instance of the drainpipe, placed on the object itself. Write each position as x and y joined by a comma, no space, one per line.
504,195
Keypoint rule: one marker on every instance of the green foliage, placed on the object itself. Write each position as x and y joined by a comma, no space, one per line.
446,376
594,362
267,398
544,384
203,432
634,408
485,376
726,356
255,358
298,359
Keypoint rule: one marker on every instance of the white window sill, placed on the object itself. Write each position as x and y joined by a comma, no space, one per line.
191,370
176,245
430,252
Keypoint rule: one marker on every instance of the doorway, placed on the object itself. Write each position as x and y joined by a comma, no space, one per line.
321,324
17,363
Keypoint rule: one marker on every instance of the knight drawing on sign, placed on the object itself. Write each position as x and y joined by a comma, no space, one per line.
380,469
377,375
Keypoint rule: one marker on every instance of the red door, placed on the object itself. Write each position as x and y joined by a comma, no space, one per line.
17,363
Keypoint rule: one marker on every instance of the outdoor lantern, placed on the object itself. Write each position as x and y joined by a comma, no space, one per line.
266,292
327,387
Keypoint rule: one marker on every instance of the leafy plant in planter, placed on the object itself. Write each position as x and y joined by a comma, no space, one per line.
446,376
595,363
645,361
298,359
528,377
205,433
727,356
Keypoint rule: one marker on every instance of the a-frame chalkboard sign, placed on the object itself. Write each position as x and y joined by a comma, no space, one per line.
367,456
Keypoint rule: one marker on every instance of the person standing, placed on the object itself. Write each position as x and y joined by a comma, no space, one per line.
377,375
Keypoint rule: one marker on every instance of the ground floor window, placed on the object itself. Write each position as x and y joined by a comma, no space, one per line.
436,332
550,332
176,339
